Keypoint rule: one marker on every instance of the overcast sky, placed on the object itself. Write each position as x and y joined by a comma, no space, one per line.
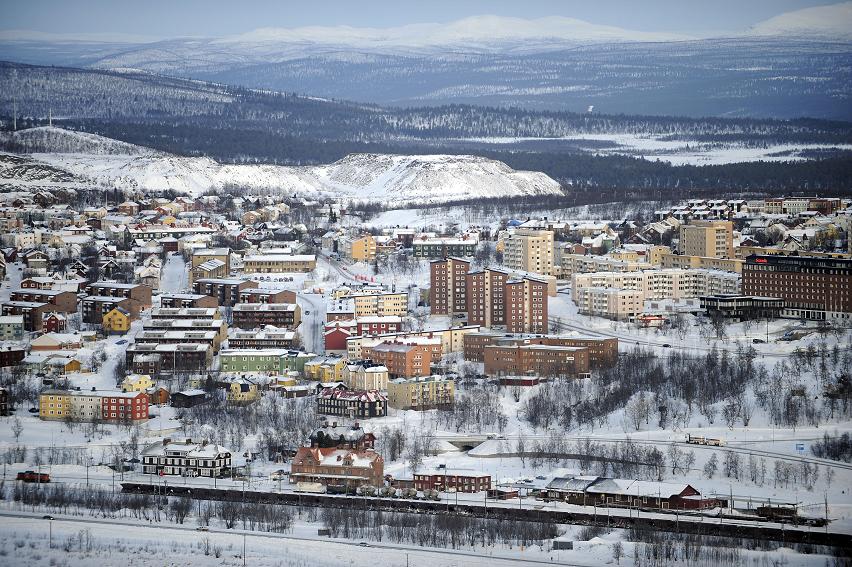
171,18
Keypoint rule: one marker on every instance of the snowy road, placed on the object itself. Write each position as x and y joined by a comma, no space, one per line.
174,277
258,543
313,316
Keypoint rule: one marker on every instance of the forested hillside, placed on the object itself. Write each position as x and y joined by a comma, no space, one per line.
237,125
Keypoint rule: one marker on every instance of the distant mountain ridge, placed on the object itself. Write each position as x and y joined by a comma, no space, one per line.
796,64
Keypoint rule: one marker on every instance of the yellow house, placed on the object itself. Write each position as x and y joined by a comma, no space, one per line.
364,248
325,369
54,404
243,392
137,383
117,321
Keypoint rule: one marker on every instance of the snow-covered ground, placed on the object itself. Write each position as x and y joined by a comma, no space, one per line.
684,152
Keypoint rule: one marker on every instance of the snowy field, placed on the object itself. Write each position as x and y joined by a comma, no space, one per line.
684,152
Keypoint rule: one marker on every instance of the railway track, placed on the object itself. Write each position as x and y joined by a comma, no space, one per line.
673,522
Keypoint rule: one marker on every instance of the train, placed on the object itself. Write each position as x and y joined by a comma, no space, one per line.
32,476
701,440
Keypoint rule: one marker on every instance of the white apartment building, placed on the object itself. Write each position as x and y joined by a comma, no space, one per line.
672,283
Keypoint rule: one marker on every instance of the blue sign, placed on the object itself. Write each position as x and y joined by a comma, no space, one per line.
800,447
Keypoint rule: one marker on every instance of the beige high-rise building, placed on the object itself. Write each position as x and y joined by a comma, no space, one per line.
529,250
713,239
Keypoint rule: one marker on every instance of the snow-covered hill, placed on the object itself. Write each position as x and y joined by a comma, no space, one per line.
389,179
821,22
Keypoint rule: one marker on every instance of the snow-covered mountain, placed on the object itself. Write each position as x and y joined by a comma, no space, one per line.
389,179
820,22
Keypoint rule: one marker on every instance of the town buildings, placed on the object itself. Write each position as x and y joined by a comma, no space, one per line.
258,315
185,458
709,238
354,404
529,250
422,393
812,288
343,468
488,297
278,263
94,405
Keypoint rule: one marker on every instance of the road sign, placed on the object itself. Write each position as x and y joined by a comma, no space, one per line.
800,448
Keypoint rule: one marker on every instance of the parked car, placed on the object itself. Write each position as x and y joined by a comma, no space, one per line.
758,341
121,342
666,345
202,529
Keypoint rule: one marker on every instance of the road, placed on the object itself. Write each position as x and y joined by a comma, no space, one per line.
313,319
331,547
174,278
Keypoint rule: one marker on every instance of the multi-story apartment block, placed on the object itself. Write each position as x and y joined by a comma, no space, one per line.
88,406
526,306
448,286
278,263
257,315
611,303
379,304
672,283
265,360
360,249
422,393
260,295
210,269
488,297
714,239
11,327
216,325
187,301
812,288
341,468
583,264
407,358
202,255
354,404
265,338
185,458
603,352
225,291
529,250
61,301
32,313
365,375
538,359
441,247
701,262
140,294
374,325
193,313
170,358
451,339
211,339
94,307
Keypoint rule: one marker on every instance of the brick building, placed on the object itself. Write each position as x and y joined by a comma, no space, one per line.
812,288
260,295
405,358
541,360
343,468
256,315
61,301
488,297
187,301
603,352
225,291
